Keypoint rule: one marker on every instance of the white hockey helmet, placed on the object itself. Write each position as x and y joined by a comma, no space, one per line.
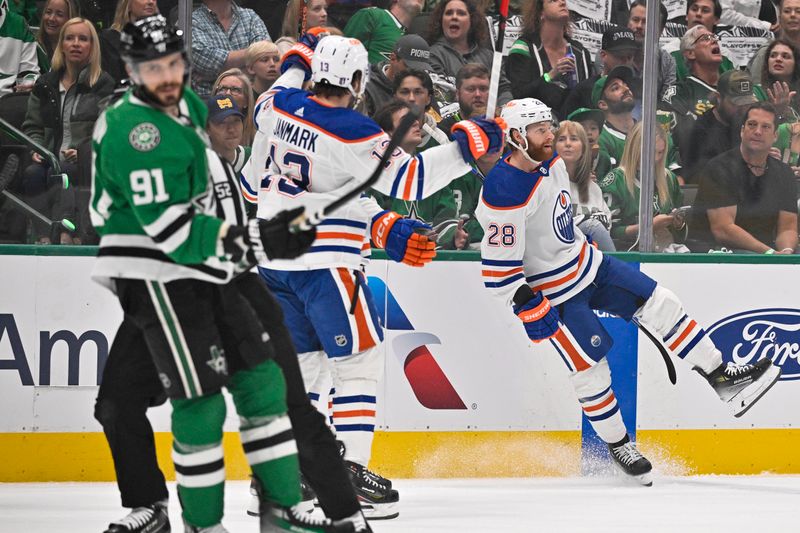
519,114
337,59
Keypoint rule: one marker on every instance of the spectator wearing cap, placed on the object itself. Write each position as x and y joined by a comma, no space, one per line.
458,36
780,80
539,64
410,52
618,48
592,121
689,99
789,18
613,96
747,200
637,20
718,130
221,33
704,13
379,29
225,128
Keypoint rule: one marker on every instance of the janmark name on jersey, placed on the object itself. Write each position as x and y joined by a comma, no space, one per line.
296,135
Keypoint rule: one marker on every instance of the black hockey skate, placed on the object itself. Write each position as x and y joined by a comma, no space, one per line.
376,478
307,498
630,462
276,518
150,519
378,499
741,386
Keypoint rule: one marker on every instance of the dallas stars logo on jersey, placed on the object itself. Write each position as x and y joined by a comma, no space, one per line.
145,137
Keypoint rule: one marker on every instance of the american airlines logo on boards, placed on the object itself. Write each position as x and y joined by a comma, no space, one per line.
430,385
772,333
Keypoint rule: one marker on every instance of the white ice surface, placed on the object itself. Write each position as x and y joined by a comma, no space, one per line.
708,504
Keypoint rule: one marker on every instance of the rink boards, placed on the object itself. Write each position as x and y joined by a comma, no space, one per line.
464,394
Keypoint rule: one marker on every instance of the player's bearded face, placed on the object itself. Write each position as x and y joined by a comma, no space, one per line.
540,141
163,78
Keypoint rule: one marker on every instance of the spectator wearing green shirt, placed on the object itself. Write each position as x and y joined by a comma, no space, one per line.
704,13
613,96
379,29
449,210
621,192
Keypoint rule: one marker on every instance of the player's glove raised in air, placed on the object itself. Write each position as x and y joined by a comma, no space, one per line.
301,53
268,239
540,320
404,239
478,136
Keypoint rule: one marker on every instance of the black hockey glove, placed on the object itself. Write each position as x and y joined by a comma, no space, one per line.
279,239
236,243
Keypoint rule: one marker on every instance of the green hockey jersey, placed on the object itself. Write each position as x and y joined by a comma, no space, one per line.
619,198
149,194
689,97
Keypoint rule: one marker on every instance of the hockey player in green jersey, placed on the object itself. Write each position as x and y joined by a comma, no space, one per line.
169,263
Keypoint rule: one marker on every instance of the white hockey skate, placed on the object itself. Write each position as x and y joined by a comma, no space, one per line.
631,462
741,386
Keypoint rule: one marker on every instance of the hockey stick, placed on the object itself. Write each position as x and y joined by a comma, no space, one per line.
673,378
306,222
497,60
9,169
17,135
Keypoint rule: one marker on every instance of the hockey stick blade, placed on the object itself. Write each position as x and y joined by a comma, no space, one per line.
31,211
673,378
306,222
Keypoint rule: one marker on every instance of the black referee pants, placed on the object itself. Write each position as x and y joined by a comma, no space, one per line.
130,385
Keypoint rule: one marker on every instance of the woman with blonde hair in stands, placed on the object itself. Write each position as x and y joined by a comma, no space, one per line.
262,61
62,110
589,210
127,11
236,83
621,189
301,15
54,15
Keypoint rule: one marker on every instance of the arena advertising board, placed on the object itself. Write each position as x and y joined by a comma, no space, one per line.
455,358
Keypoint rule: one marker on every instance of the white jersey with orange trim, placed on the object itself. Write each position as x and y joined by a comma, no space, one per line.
529,236
325,149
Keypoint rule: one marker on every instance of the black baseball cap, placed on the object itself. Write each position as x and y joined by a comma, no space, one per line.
621,72
617,39
414,51
221,107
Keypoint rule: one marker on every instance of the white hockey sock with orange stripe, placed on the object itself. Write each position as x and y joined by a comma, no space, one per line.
598,402
663,314
355,378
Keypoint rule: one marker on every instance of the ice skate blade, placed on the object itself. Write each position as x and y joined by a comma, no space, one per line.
306,506
645,479
747,397
380,511
253,507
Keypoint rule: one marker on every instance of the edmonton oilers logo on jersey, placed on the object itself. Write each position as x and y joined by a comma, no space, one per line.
746,337
562,218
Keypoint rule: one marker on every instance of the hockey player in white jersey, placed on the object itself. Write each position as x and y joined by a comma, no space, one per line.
309,149
536,260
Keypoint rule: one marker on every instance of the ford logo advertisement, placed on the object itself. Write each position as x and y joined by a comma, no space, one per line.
749,336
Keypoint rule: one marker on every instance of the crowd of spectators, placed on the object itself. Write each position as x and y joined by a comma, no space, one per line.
727,150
